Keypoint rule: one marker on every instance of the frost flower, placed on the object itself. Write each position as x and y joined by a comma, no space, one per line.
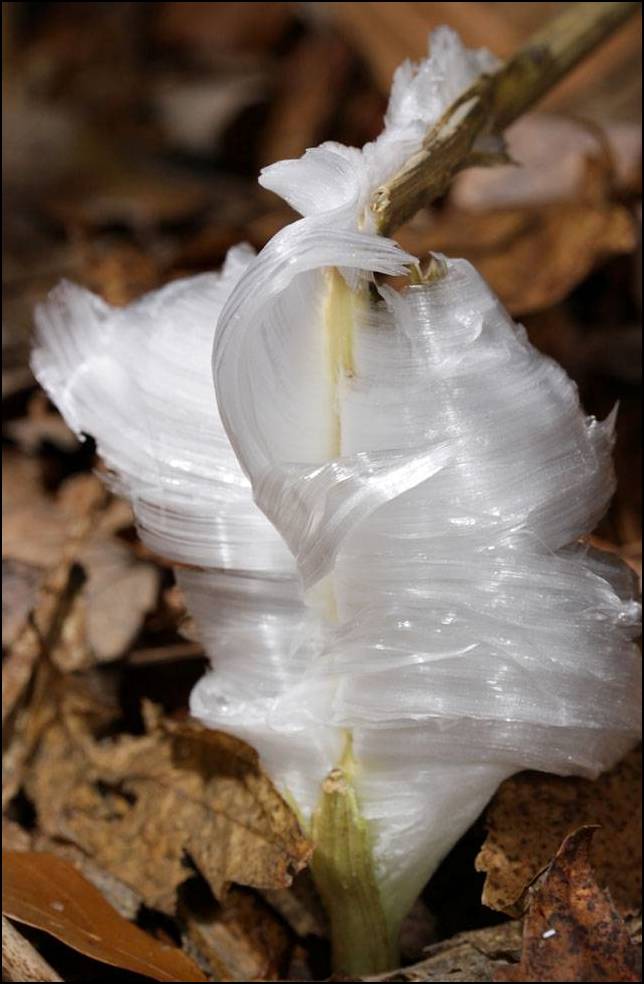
437,622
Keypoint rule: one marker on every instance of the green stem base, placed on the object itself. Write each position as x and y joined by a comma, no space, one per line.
343,871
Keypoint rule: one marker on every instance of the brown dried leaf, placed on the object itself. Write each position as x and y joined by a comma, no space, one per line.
20,960
33,530
572,930
119,592
47,892
532,813
27,695
74,528
177,790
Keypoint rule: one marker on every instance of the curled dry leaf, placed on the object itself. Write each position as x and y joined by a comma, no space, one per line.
532,813
20,960
176,791
572,930
47,892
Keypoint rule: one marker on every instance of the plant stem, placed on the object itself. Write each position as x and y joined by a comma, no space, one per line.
491,104
343,870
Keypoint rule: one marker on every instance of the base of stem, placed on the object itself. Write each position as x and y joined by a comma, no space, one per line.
343,871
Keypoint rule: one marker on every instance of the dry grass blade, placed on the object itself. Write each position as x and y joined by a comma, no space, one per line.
47,892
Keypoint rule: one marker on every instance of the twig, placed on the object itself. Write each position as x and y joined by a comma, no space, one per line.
491,104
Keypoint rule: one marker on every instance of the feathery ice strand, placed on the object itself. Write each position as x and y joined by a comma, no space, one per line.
436,622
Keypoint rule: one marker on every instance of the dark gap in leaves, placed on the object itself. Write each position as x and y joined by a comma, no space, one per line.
110,790
454,893
239,143
318,953
58,465
159,925
293,32
15,406
168,684
608,297
22,811
195,894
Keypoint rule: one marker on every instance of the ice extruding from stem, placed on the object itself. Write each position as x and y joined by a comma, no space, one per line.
431,473
468,631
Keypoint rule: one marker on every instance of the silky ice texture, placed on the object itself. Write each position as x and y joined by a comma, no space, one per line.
431,473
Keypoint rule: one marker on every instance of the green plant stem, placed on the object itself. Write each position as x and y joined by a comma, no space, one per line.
490,105
343,871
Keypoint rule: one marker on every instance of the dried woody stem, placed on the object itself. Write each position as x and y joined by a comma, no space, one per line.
491,104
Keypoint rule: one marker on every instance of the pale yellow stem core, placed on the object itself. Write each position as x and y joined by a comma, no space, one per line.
342,307
342,864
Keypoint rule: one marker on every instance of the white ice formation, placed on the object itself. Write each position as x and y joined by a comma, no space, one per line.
431,473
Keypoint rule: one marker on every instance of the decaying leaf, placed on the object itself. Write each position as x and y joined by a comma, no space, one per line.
27,677
532,813
47,892
34,530
20,960
572,930
177,791
67,616
120,591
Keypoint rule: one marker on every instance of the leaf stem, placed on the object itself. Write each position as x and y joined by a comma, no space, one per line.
491,104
